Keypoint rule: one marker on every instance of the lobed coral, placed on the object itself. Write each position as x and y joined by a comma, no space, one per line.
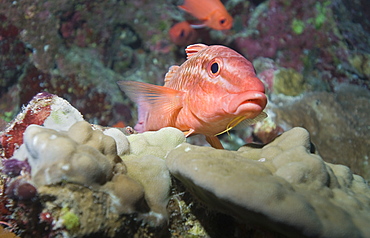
338,123
69,155
64,165
147,153
283,187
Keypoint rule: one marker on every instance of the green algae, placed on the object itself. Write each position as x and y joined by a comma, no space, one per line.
70,219
298,26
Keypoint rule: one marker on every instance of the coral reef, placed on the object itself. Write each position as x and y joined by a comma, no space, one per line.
13,55
147,153
69,155
337,122
69,177
65,155
309,37
282,186
79,49
69,48
45,109
287,36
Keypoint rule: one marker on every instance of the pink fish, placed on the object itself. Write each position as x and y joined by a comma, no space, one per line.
215,89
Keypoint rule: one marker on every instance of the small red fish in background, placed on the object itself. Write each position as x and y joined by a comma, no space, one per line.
119,124
182,33
212,13
215,89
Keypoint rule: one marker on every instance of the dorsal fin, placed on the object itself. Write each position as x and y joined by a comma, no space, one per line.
171,71
184,8
214,142
194,49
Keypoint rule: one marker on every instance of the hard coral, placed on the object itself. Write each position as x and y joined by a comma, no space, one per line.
81,156
147,152
144,189
338,123
76,165
282,187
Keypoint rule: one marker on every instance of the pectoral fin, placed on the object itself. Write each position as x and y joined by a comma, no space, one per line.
150,98
214,142
188,133
250,121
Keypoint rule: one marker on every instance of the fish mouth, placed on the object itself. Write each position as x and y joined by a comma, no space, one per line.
248,104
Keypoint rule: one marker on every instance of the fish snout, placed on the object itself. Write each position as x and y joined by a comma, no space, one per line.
248,104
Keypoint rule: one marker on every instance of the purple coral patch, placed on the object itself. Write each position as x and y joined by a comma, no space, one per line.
13,167
43,94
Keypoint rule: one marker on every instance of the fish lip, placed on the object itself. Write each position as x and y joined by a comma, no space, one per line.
249,103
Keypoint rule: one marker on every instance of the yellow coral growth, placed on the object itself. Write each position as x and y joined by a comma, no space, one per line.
7,234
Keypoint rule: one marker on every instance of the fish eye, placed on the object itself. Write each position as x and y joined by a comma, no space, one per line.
182,34
222,21
214,68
